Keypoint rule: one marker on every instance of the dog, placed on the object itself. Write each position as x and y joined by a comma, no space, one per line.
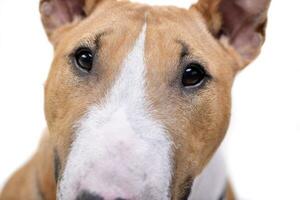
138,99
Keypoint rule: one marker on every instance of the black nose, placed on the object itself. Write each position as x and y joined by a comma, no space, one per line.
85,195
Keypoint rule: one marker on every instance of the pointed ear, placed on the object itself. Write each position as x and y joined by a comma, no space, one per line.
57,13
239,22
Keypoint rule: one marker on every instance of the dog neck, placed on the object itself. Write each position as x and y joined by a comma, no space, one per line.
211,183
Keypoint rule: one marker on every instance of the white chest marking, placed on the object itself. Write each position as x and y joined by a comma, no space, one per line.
120,150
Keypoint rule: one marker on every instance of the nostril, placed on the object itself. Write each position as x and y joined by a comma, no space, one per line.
85,195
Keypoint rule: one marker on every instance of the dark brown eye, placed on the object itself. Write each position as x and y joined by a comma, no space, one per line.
193,75
84,59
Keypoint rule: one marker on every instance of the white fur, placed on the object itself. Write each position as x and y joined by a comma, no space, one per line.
120,150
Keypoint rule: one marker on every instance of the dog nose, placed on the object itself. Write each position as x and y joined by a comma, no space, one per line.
85,195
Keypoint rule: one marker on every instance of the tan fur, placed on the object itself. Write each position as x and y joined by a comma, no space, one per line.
197,121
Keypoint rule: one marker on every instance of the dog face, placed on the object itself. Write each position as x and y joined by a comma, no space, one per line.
138,97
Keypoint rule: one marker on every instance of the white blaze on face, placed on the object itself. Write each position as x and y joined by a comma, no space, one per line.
120,150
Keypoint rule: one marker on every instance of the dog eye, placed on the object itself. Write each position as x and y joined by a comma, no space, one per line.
193,75
84,59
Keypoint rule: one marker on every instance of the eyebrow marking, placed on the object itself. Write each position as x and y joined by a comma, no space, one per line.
92,41
186,55
185,51
98,38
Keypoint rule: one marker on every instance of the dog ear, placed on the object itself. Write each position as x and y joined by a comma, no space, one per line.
57,13
241,23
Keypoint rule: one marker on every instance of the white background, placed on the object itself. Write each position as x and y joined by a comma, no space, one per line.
263,143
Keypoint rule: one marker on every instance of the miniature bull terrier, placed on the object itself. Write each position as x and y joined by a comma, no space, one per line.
138,99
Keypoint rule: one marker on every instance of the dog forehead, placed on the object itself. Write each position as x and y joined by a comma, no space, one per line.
118,14
166,28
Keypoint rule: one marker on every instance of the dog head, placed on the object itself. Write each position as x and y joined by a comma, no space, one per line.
138,97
